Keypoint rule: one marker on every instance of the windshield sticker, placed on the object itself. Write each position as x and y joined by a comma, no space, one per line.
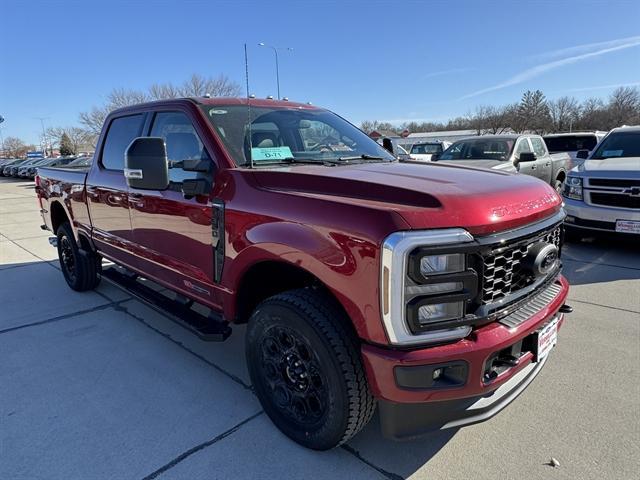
271,153
612,153
215,111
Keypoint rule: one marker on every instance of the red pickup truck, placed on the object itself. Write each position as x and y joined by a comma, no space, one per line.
431,292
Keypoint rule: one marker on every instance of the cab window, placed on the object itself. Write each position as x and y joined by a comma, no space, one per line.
121,133
523,147
538,147
182,141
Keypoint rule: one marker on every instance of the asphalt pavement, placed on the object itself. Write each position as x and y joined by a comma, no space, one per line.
97,385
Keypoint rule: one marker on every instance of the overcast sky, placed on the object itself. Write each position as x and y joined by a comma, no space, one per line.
394,61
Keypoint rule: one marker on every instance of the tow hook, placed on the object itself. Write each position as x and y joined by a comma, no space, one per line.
566,308
53,241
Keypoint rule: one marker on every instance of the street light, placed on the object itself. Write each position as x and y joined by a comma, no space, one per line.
275,51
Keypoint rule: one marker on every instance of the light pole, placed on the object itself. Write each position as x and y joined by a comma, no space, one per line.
275,51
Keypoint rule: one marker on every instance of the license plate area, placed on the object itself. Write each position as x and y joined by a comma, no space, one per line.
628,226
546,338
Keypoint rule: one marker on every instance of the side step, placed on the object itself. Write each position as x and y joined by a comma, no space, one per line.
210,329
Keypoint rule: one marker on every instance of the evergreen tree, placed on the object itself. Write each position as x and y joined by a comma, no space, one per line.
66,147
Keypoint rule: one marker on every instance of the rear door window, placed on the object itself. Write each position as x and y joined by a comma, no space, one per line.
121,133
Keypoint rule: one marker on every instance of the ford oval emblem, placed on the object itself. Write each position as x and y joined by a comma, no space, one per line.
541,259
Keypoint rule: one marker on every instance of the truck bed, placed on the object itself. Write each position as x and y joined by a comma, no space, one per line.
67,185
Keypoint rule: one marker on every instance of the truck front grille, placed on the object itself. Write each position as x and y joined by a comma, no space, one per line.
503,273
614,182
621,200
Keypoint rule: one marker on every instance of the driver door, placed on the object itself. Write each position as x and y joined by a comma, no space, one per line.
172,230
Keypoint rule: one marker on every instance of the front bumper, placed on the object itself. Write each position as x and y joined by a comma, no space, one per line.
408,412
591,217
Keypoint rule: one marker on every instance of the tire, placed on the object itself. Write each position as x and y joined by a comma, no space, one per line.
306,369
81,268
558,185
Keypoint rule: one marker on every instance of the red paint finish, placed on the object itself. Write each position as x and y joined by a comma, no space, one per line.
328,221
475,350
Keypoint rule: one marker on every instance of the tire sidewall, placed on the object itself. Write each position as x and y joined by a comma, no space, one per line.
65,231
330,432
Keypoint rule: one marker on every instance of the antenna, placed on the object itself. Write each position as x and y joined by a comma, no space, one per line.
246,75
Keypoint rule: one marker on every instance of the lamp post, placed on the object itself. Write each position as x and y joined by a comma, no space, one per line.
275,51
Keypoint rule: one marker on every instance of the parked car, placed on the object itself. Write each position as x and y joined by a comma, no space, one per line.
12,170
603,194
23,168
424,151
6,168
5,162
433,292
572,142
525,154
81,162
51,162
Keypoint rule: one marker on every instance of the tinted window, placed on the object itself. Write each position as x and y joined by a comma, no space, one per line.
538,147
121,133
571,143
426,148
182,143
619,144
479,149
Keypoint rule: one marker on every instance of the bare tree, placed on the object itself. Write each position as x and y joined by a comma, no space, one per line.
197,85
624,106
563,113
15,147
79,138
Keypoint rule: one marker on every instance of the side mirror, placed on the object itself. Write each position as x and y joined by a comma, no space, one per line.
584,154
435,157
387,145
146,165
527,157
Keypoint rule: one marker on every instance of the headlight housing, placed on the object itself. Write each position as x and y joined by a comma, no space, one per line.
573,188
425,284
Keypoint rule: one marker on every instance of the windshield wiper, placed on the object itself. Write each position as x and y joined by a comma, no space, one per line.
364,156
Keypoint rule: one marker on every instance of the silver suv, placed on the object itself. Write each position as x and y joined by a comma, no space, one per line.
604,192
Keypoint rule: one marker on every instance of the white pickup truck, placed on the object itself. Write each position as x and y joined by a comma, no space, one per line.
604,192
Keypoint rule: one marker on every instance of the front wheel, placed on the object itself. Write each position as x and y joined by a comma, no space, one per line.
306,369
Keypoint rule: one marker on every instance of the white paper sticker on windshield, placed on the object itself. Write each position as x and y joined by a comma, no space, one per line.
271,153
612,153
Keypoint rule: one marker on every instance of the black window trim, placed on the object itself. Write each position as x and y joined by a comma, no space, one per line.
106,136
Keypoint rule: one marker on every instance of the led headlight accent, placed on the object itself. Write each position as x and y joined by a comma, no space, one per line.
573,188
396,250
435,264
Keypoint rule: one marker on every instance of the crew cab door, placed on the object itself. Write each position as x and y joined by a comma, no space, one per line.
107,190
173,230
543,160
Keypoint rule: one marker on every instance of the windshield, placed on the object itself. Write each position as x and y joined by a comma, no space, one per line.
619,144
283,135
570,143
426,148
479,149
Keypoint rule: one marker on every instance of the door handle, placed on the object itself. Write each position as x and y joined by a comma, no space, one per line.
533,167
547,164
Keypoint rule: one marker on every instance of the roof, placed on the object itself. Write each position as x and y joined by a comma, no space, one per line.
627,128
446,133
571,134
224,101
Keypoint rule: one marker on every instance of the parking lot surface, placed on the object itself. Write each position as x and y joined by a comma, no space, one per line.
97,385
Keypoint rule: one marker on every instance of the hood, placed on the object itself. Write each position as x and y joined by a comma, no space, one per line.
429,195
609,166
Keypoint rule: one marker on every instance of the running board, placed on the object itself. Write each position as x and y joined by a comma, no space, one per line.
210,329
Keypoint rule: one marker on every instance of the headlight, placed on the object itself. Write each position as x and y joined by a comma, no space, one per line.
424,286
573,188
